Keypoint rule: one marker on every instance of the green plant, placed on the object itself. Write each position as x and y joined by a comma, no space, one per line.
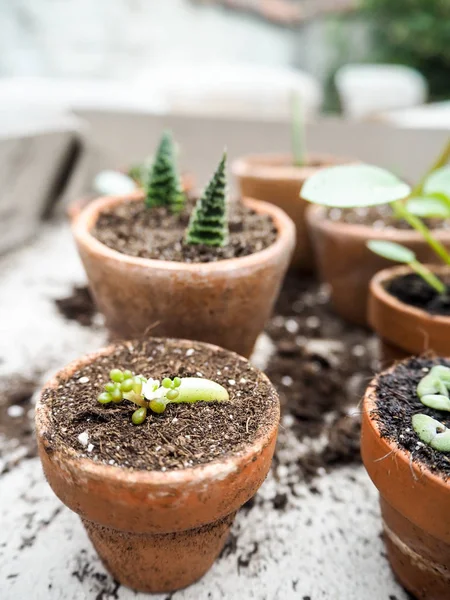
150,394
401,254
164,186
209,220
433,391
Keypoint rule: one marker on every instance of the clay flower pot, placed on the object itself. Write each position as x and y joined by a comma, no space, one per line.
225,302
76,206
414,508
347,265
155,531
405,330
273,178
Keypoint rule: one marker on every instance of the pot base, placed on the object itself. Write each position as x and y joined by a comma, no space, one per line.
420,562
161,562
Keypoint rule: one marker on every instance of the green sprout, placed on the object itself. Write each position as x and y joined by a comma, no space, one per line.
209,220
433,389
164,186
432,432
150,394
362,186
401,254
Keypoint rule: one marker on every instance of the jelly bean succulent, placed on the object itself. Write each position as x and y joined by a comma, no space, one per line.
434,392
151,394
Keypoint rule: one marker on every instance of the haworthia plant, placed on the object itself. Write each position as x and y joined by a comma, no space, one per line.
164,186
209,220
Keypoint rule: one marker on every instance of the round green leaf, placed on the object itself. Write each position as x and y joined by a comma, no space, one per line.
438,182
428,207
350,186
432,432
392,251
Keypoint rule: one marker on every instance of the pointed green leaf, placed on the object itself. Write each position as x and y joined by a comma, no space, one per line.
428,207
391,251
349,186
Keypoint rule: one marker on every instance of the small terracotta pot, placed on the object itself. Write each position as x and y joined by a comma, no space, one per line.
347,265
405,330
76,206
155,531
273,178
414,508
225,302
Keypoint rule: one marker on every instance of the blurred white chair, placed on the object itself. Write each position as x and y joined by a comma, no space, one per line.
247,91
365,89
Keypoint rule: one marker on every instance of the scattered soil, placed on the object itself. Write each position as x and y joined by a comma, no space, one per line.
397,402
79,306
413,290
186,434
321,368
378,217
16,419
133,229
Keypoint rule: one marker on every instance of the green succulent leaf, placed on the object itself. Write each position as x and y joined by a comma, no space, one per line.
433,389
432,432
429,207
391,251
438,182
198,389
350,186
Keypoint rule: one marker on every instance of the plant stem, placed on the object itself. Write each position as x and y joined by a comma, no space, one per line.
428,276
441,160
298,130
417,224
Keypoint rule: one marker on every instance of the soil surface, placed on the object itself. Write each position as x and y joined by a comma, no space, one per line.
79,306
379,217
397,401
133,229
413,290
185,435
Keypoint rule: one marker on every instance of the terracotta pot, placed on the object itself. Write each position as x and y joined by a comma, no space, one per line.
414,508
76,206
405,330
225,302
155,531
273,178
347,265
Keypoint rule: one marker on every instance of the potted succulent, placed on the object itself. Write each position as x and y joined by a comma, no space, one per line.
206,270
358,203
278,178
156,444
405,447
137,176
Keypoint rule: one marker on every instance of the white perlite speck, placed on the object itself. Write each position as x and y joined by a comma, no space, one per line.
83,438
90,447
231,382
190,352
287,380
83,380
15,411
291,325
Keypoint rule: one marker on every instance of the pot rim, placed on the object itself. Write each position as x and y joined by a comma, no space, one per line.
214,470
356,230
369,405
84,221
377,289
278,165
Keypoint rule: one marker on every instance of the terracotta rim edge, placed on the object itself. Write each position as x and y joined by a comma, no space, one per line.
86,218
211,470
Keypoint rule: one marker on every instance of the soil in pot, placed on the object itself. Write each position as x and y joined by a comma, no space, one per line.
157,499
133,229
413,290
185,435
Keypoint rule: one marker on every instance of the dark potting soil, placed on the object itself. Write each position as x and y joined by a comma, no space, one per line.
397,402
78,306
133,229
378,217
185,435
414,291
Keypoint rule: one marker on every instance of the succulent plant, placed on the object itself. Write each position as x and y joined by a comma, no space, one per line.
164,186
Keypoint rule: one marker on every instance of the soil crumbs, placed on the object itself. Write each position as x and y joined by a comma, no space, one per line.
78,306
397,401
321,367
413,290
135,230
185,435
378,217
